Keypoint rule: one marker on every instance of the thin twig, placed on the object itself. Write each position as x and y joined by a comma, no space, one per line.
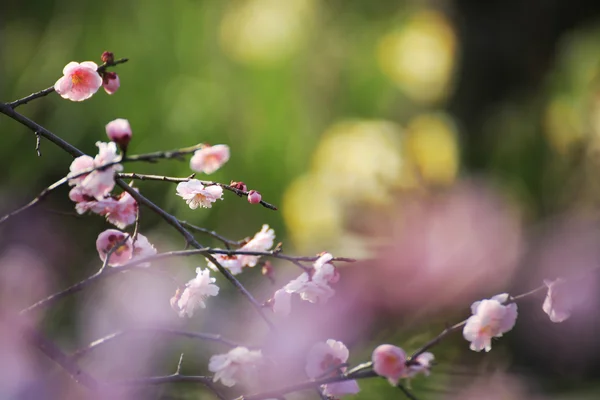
144,177
238,192
406,392
38,144
153,330
226,242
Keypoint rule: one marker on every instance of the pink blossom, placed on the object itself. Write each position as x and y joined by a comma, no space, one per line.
196,194
231,262
79,81
315,288
110,238
390,362
282,302
121,213
561,299
119,131
111,82
325,359
262,241
195,292
491,318
142,248
238,364
254,197
209,158
101,181
421,364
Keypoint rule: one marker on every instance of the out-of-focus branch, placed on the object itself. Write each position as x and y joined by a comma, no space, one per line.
153,330
49,90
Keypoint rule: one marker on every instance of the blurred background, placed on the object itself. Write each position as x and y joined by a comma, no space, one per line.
452,146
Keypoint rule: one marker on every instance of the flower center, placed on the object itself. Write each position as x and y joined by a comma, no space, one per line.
77,78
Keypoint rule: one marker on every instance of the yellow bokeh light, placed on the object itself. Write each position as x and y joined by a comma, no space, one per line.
361,160
563,124
265,32
432,144
312,213
420,57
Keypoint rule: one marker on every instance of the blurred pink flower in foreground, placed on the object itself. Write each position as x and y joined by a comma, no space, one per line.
237,365
421,364
491,318
106,243
111,82
80,81
197,195
209,158
119,131
390,362
325,359
194,294
437,251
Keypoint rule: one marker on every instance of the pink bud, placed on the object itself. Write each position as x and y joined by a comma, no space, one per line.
119,131
390,362
254,197
111,82
107,57
239,185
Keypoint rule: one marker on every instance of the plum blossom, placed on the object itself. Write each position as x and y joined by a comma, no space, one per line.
560,299
491,318
101,181
390,362
194,294
254,197
142,248
106,242
262,241
119,131
421,364
196,194
209,158
238,364
79,81
231,262
121,212
315,288
111,82
282,302
323,360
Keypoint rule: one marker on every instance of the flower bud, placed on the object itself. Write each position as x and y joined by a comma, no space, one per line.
254,197
119,131
107,57
390,362
110,82
239,186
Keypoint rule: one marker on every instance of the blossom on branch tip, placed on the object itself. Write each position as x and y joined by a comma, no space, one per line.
560,300
326,359
79,81
237,365
209,158
254,197
119,131
196,194
390,362
194,294
491,318
111,82
106,243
